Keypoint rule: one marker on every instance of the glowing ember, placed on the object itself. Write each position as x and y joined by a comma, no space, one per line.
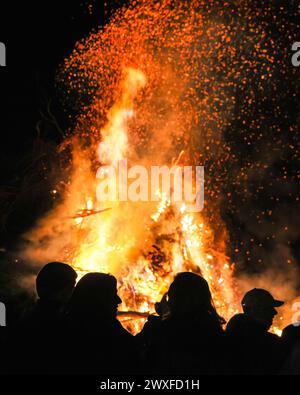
155,84
174,240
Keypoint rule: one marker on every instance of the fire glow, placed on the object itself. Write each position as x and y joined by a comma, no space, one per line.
158,87
185,244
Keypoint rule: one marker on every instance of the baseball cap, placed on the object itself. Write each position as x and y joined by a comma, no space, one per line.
260,296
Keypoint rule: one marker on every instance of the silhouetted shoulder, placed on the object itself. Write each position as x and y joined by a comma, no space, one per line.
238,322
245,323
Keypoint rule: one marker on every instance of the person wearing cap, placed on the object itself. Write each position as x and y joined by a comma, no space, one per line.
254,349
261,306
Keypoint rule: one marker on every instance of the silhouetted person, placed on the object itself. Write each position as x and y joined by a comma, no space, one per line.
54,285
98,343
291,341
189,338
35,345
254,349
151,331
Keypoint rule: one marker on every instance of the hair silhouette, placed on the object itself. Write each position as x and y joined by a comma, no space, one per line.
95,296
189,293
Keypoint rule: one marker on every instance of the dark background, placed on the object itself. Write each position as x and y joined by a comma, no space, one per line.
38,36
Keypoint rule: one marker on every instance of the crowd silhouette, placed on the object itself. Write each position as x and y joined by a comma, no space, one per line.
73,328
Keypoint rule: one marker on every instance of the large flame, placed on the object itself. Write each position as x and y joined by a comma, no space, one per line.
174,240
158,85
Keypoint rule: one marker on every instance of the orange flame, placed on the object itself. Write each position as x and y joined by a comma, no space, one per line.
183,243
161,78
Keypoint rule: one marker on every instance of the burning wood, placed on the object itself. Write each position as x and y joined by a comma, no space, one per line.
87,213
133,314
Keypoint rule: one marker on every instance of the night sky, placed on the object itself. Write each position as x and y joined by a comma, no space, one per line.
38,36
263,219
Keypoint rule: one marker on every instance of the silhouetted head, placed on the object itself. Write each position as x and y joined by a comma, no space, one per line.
190,293
260,305
291,334
55,282
95,295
